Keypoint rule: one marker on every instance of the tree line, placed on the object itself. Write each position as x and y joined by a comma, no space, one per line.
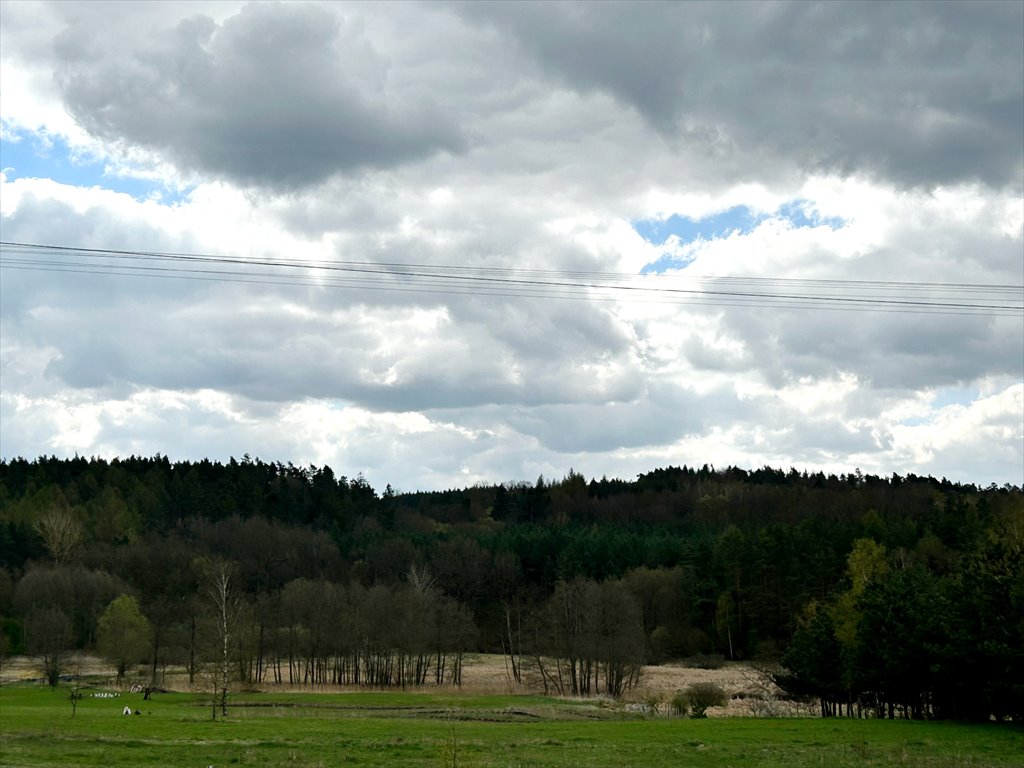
579,583
918,638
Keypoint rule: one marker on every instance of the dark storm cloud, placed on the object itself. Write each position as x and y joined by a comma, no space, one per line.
279,95
920,93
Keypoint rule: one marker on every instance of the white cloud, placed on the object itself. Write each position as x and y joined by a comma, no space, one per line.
530,164
968,440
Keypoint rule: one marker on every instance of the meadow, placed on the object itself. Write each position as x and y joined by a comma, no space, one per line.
38,728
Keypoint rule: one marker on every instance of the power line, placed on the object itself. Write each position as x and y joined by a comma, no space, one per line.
680,288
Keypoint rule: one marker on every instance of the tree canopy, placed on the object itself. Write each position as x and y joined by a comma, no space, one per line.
894,594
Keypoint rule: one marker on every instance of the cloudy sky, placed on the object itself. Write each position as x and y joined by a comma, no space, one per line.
461,243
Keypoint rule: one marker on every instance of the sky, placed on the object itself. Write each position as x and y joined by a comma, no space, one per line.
462,243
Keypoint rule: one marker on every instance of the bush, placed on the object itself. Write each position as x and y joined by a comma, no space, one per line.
653,702
680,704
703,695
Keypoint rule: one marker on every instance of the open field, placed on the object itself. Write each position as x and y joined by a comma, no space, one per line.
457,729
482,674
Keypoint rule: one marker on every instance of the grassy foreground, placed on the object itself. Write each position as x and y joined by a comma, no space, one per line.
449,730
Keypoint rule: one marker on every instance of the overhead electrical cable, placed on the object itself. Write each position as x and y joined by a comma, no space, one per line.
676,288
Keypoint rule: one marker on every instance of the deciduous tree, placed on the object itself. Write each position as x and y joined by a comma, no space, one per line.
49,637
224,607
123,634
61,532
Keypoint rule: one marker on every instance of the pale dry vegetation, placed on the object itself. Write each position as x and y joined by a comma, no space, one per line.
747,688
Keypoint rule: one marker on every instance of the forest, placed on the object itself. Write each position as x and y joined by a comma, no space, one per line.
897,596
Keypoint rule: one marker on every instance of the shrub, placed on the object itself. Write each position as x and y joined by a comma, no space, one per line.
653,702
703,695
680,704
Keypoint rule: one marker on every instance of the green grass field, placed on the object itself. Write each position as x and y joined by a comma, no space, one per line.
430,729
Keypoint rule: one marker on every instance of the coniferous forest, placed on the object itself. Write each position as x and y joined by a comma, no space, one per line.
897,596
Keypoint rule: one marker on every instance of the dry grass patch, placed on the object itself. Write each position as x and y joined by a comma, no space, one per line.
483,674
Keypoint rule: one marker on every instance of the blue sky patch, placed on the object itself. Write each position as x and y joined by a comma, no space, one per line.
802,214
657,231
35,157
955,396
666,262
738,219
943,398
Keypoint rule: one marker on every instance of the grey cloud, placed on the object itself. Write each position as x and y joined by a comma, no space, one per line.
884,350
27,293
705,357
930,255
551,329
942,351
812,441
279,95
261,352
921,93
277,343
660,416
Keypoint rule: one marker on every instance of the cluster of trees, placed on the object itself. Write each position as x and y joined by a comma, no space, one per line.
578,582
914,638
593,635
384,635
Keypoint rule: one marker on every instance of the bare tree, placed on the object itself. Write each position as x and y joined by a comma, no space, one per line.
765,701
512,643
225,607
61,532
592,636
76,690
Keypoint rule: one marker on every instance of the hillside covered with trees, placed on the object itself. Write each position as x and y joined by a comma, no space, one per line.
897,596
